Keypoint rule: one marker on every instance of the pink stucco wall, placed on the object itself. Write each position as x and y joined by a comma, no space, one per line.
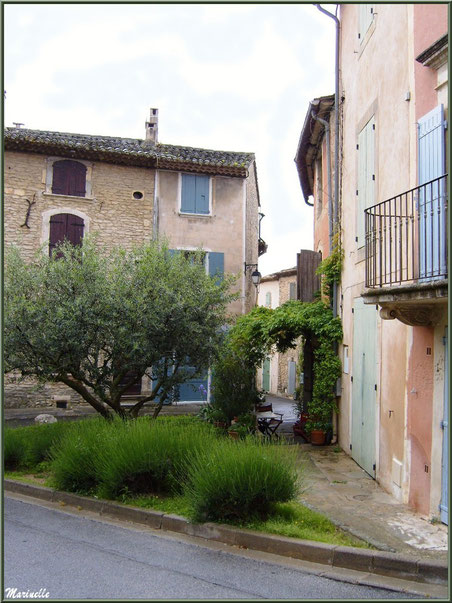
430,24
420,406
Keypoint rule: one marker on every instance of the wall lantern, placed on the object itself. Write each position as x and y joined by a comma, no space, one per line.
255,275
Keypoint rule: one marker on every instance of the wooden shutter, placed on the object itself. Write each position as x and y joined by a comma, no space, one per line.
366,175
65,226
292,290
188,193
195,194
216,265
202,195
69,178
432,200
268,300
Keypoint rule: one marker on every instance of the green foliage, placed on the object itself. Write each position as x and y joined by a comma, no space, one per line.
233,384
74,457
279,330
240,479
13,448
95,316
148,456
27,447
330,269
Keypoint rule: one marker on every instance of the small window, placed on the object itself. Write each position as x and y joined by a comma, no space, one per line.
366,16
195,194
292,290
69,178
268,300
65,227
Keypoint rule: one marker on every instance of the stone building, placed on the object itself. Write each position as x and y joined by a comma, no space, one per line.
63,185
278,374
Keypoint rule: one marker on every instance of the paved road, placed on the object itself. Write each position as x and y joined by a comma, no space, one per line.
76,557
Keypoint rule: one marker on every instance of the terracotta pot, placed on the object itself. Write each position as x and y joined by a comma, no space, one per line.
317,437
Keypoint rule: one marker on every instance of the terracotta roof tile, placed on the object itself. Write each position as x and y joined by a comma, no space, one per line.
129,151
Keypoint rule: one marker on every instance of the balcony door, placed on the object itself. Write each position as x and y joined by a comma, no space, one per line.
432,198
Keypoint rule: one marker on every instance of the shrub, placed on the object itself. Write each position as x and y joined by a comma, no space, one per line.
238,480
27,447
74,457
148,456
40,439
14,449
233,385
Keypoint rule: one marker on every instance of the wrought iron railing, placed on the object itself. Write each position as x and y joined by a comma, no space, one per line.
406,237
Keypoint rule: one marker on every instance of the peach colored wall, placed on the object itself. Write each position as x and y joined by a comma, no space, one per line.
419,427
321,226
392,400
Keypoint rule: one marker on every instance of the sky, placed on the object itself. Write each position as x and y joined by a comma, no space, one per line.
231,77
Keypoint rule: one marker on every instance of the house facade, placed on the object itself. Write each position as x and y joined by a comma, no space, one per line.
129,191
389,217
278,374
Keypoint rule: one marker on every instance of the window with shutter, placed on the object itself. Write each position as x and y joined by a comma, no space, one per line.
195,194
366,175
69,178
65,227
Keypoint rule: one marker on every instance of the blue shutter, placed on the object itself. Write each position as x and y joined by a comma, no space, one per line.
216,264
202,195
188,193
432,200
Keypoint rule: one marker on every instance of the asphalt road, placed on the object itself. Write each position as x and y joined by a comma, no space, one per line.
73,556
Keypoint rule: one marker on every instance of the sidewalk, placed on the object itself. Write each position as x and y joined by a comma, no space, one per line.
337,487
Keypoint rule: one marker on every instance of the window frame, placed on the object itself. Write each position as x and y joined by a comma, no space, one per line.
49,177
46,215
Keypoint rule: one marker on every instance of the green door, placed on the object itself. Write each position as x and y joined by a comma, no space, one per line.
266,375
364,395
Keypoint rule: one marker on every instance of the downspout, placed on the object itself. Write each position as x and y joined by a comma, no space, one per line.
326,125
336,137
336,163
155,220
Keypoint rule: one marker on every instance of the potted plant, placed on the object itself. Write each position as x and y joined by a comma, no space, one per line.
242,426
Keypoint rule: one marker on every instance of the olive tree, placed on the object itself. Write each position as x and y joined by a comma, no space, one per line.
98,320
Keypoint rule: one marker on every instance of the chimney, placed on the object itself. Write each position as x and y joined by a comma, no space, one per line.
152,127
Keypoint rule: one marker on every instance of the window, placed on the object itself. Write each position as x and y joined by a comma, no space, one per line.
69,178
292,290
366,175
65,227
366,16
195,197
268,300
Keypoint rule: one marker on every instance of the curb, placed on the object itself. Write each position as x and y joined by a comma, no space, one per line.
394,565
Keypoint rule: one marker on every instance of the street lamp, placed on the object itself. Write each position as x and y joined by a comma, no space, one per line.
255,275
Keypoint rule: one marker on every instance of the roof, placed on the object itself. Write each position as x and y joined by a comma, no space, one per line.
278,275
310,139
128,151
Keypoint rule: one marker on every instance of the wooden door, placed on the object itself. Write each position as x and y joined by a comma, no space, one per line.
364,395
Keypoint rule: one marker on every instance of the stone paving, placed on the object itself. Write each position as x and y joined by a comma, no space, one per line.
335,485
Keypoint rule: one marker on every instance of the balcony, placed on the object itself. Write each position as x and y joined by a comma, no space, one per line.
406,254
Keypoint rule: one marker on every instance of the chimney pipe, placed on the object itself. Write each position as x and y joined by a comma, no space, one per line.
152,127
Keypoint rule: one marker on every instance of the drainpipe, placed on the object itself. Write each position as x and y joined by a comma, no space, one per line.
326,125
336,161
336,136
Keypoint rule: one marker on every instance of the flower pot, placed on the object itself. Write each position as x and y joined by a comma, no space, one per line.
317,437
234,435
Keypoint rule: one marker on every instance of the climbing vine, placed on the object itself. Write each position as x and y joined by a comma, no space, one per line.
330,268
264,331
